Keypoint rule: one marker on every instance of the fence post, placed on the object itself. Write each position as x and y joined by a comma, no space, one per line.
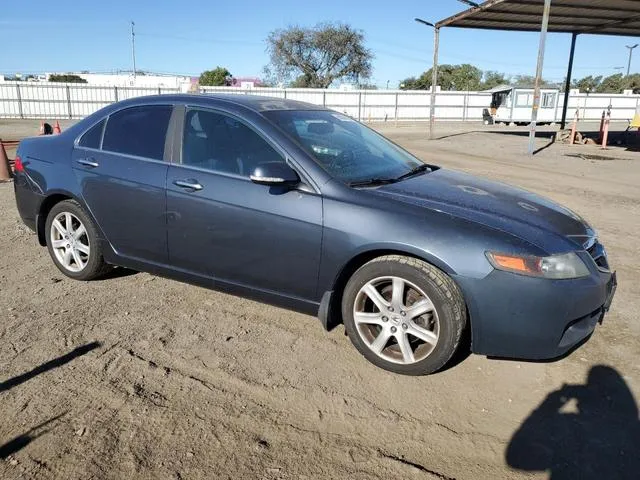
19,101
285,93
115,93
159,91
324,98
465,104
395,110
69,102
359,105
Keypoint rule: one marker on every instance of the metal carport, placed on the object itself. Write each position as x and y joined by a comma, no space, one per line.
594,17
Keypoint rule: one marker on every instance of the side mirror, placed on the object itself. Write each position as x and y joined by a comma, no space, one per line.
275,174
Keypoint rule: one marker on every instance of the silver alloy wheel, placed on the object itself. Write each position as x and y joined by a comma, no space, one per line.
396,320
70,242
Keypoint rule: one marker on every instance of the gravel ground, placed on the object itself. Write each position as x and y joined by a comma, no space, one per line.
136,376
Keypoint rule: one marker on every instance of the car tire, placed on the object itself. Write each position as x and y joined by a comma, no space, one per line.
384,330
76,251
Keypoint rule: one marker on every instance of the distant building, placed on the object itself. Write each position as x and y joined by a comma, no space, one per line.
245,82
127,79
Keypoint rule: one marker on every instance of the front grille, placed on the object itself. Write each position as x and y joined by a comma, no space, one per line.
599,255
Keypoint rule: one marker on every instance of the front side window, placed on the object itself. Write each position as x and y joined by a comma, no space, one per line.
92,137
221,143
346,149
139,131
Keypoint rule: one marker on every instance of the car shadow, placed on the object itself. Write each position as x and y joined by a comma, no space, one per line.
117,272
583,432
18,443
50,365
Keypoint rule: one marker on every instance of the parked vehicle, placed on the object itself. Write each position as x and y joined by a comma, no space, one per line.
303,207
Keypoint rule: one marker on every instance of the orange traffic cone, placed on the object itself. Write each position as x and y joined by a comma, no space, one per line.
56,128
5,171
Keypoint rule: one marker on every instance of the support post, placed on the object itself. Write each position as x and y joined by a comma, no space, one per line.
359,105
395,110
70,113
434,82
115,93
567,85
536,90
20,111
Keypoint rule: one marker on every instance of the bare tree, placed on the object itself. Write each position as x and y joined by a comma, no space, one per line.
317,56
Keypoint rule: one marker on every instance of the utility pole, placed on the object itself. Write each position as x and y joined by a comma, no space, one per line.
536,88
434,75
630,47
133,48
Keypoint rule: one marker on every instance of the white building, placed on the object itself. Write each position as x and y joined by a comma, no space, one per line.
129,80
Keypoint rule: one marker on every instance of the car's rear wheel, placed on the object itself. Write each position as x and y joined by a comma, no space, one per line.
404,315
72,241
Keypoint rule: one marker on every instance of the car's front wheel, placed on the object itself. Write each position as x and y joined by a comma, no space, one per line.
72,241
403,314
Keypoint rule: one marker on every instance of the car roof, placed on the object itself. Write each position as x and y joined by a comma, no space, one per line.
256,103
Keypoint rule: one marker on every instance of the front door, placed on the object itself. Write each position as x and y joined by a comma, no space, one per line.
224,226
122,173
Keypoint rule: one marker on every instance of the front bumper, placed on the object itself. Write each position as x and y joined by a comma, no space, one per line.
514,316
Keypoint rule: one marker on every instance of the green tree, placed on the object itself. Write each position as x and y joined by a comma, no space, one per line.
214,78
612,84
68,78
450,77
587,84
491,79
318,56
632,82
530,80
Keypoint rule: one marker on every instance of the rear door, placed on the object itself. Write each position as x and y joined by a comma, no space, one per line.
122,168
223,225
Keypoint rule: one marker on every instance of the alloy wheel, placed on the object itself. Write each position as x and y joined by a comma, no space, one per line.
70,242
396,320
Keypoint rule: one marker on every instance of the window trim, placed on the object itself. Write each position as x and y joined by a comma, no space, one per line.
76,142
305,179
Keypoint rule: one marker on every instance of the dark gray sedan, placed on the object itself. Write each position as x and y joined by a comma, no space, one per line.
303,207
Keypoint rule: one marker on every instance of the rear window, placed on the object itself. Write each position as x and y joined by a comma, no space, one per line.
92,137
138,131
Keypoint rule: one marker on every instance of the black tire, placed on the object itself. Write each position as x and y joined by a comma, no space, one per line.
441,290
95,266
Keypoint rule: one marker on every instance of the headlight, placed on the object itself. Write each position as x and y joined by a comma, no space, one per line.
557,267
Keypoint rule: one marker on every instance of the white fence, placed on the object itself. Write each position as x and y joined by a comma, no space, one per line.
60,100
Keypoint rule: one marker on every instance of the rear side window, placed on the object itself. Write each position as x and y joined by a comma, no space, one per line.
138,131
92,137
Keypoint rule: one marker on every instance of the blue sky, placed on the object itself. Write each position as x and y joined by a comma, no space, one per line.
193,35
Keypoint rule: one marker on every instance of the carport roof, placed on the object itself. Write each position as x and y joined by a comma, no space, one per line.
598,17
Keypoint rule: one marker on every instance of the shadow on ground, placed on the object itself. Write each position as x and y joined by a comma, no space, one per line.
18,443
583,432
50,365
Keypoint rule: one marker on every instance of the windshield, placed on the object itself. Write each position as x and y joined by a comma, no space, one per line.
348,150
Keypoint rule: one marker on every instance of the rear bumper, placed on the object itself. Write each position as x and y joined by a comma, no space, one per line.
28,201
514,316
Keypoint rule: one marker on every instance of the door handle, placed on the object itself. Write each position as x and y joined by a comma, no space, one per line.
188,184
88,162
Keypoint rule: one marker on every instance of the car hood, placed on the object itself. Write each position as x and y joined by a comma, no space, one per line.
513,210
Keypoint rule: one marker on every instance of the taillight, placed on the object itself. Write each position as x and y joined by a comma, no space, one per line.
17,165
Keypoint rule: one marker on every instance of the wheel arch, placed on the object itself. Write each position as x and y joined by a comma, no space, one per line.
330,305
52,199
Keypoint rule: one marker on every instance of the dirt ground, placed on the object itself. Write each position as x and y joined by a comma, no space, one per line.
136,376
